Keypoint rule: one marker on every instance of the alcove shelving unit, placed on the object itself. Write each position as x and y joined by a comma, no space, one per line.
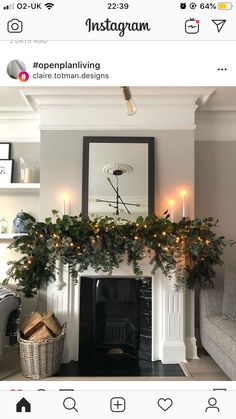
21,130
16,196
20,188
16,192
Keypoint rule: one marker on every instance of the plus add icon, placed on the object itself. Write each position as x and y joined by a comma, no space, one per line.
117,404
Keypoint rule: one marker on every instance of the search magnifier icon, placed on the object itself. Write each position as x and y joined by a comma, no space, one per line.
70,404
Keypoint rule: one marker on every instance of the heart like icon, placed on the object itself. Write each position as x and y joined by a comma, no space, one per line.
165,404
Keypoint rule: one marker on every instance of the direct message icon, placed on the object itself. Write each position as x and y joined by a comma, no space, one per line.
219,23
165,404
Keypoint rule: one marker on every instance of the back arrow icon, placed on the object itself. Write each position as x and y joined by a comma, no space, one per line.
219,23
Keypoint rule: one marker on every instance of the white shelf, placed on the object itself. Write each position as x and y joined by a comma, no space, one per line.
20,188
10,236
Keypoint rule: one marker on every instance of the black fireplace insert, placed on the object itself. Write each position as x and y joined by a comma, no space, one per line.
115,318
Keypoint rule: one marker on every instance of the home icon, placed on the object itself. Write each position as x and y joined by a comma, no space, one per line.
23,406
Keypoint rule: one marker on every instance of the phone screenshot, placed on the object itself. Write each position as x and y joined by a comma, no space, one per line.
117,209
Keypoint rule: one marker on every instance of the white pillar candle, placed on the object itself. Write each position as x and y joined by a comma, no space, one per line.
183,195
65,205
172,203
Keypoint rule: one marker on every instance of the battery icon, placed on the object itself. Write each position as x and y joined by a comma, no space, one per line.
224,6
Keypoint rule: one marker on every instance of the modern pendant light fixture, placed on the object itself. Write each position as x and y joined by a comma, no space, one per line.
131,108
117,170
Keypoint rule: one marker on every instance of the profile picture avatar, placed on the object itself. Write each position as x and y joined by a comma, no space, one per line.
15,26
16,69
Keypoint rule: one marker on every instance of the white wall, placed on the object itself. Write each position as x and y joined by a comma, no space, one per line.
216,192
215,156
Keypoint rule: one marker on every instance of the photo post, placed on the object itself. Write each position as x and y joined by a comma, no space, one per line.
117,208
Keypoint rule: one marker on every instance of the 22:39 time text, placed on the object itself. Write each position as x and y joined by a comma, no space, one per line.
115,6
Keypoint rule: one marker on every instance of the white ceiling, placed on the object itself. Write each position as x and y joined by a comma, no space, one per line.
13,98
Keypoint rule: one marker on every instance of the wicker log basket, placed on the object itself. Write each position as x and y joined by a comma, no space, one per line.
41,359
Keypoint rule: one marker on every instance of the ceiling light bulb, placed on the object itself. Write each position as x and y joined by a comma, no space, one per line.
131,108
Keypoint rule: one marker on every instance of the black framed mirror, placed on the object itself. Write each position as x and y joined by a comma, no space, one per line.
118,177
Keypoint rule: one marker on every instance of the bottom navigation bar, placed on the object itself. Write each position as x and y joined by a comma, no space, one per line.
130,404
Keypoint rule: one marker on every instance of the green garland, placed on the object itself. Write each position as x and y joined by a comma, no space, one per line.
190,247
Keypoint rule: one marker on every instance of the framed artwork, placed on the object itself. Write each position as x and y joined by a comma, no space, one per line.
5,151
6,171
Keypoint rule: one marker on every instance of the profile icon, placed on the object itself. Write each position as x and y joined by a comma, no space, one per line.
212,402
16,69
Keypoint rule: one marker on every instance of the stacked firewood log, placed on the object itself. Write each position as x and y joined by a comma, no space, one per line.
41,327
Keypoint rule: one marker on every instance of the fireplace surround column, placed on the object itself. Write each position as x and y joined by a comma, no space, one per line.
173,345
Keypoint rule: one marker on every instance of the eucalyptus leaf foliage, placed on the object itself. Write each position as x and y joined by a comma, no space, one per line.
190,248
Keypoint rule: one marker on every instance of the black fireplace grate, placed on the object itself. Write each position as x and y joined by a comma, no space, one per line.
115,332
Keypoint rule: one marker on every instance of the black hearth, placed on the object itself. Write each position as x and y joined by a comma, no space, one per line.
115,318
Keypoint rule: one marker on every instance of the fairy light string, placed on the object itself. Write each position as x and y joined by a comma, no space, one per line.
188,248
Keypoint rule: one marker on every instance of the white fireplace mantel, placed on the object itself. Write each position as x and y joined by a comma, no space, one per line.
168,314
